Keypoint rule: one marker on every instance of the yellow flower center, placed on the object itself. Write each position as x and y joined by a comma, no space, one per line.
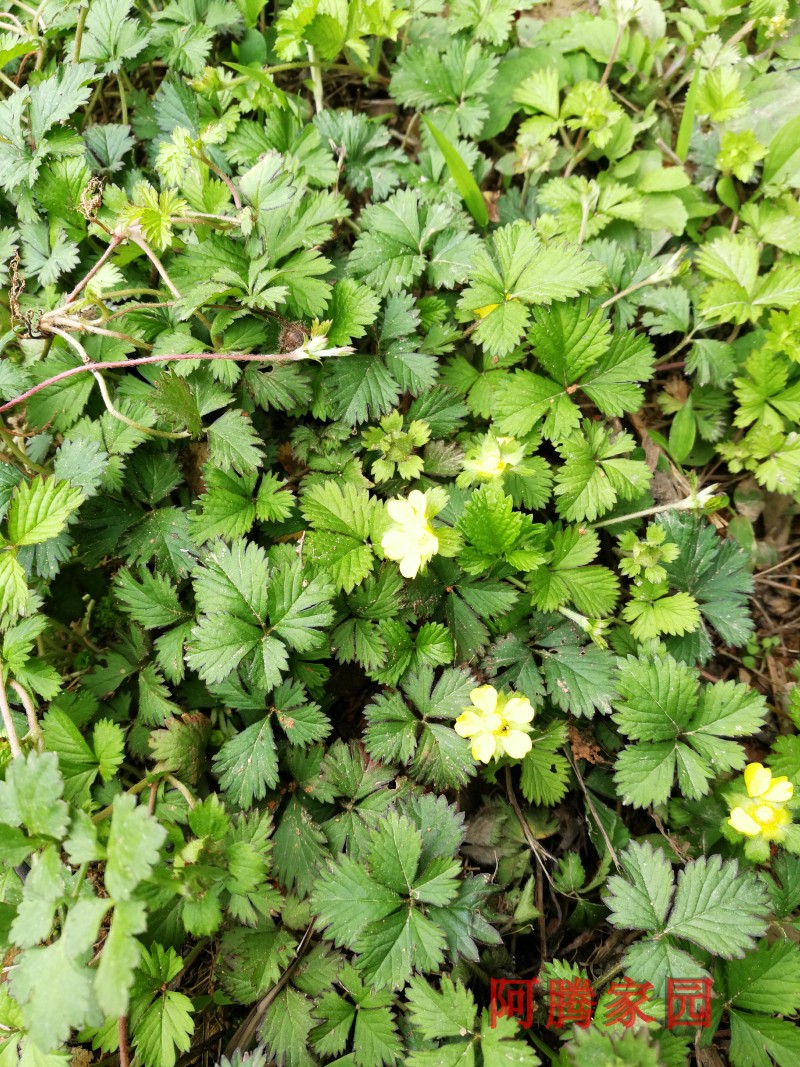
491,468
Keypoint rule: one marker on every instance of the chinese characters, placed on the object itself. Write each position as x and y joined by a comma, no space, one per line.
571,1001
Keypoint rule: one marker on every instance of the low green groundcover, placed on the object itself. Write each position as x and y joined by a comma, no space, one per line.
397,400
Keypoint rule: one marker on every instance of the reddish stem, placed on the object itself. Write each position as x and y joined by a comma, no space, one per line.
122,1032
122,364
116,241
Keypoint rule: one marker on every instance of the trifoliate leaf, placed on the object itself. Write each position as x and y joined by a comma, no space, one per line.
523,271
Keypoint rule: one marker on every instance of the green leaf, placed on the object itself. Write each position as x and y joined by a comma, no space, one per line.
348,899
150,599
718,908
133,846
252,961
758,1041
300,848
234,444
165,1029
767,980
641,900
13,587
174,401
592,480
40,510
286,1027
446,1012
715,906
545,771
52,984
459,172
110,37
121,954
31,795
299,609
399,239
521,271
342,519
780,161
44,888
680,726
247,765
716,574
579,678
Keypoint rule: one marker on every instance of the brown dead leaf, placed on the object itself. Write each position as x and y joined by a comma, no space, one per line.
584,746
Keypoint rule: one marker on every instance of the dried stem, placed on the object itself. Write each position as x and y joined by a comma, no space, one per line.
245,1035
539,852
590,804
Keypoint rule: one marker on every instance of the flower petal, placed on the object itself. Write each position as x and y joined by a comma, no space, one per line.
468,723
394,544
485,698
410,564
742,822
780,790
483,747
401,511
419,502
516,743
518,710
757,778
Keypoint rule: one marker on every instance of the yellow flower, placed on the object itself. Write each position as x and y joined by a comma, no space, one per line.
500,725
411,539
764,814
490,457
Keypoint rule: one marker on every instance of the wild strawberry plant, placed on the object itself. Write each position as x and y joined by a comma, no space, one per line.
399,407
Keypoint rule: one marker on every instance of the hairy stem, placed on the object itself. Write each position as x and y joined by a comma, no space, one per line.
101,384
148,251
184,791
124,364
133,791
316,80
122,1034
8,722
689,503
14,450
30,712
84,11
116,241
237,200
